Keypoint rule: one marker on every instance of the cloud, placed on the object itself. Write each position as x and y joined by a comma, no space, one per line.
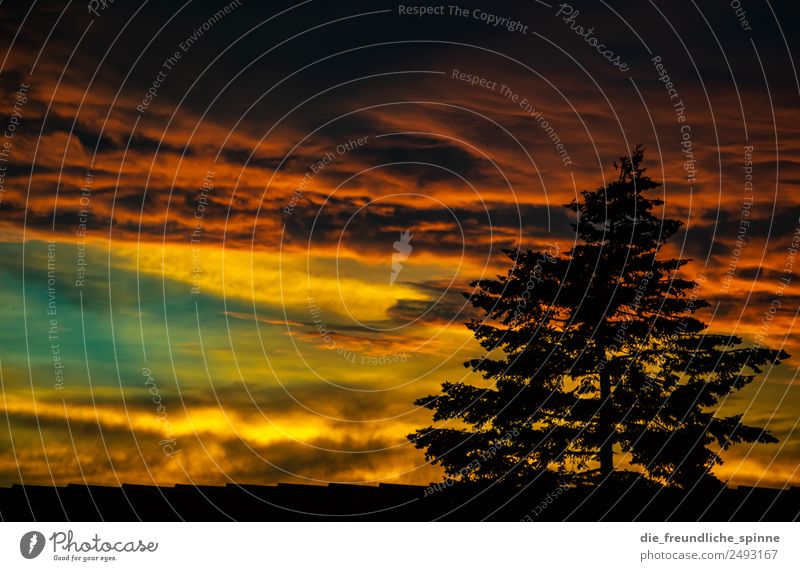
196,270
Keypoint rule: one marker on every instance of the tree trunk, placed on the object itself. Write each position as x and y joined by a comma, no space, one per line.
606,455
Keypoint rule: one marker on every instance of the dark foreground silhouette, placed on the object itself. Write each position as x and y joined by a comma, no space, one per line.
597,352
635,501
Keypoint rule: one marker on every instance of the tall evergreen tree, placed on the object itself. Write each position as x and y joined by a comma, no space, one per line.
594,355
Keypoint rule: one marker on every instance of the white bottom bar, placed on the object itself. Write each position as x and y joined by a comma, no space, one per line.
401,546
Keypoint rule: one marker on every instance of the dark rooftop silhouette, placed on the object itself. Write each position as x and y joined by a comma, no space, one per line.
392,502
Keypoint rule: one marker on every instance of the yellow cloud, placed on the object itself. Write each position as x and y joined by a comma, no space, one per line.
266,278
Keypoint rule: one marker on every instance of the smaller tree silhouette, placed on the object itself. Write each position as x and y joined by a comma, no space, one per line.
594,354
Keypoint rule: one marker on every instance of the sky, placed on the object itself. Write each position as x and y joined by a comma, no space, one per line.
201,205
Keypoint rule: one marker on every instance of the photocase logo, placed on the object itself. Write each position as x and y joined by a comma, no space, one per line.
31,544
403,247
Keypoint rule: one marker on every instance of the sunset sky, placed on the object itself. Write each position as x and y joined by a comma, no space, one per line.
199,204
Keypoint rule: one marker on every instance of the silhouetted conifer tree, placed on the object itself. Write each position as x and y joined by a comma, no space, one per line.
595,356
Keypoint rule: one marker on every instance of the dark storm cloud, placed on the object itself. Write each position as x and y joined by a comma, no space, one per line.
324,41
435,153
446,304
371,230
